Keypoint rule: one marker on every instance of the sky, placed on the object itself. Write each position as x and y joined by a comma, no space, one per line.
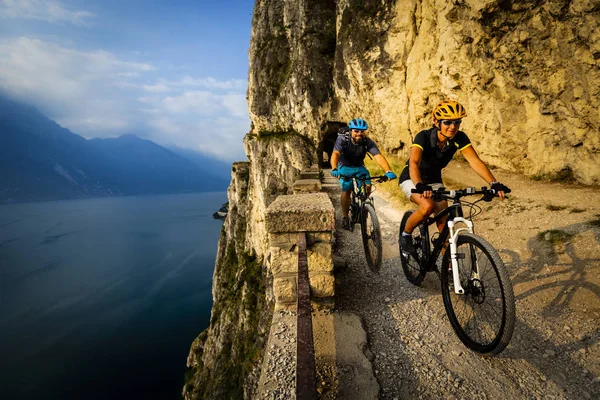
171,71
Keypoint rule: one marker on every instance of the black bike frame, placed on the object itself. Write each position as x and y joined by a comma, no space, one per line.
360,196
454,210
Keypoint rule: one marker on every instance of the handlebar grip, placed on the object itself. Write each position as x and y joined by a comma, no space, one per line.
505,191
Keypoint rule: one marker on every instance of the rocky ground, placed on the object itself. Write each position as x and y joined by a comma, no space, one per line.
548,235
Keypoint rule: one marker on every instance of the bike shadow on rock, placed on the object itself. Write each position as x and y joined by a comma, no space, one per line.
557,290
562,274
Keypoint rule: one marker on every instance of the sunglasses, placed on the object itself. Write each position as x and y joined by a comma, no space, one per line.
454,122
358,130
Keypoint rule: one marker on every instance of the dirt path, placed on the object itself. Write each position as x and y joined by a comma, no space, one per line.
548,236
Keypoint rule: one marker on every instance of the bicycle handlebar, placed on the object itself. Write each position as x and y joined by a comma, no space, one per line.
443,194
363,179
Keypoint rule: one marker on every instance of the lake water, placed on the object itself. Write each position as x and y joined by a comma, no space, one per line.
102,298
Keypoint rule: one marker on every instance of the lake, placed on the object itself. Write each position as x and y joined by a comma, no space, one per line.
102,298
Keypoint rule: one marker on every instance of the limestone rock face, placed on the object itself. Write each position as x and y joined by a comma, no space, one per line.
528,73
292,47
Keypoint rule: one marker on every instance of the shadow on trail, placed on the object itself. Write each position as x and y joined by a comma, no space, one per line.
556,270
550,362
548,261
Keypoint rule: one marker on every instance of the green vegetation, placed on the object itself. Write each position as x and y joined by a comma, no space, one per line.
392,188
282,74
240,310
555,236
283,135
243,300
245,174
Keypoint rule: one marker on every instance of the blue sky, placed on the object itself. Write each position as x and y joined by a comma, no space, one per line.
174,72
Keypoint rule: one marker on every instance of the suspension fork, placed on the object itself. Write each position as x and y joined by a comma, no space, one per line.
356,206
454,256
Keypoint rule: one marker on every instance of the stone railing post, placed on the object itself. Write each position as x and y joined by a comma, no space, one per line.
312,213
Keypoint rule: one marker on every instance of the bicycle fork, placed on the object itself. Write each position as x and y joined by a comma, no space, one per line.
454,256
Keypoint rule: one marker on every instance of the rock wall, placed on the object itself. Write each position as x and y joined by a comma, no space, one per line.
528,73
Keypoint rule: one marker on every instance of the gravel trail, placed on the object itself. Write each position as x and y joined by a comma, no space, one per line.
554,352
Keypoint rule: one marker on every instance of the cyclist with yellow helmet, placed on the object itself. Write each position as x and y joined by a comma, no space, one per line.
431,151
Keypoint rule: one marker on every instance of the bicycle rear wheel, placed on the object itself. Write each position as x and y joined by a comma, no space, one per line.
410,265
484,316
371,236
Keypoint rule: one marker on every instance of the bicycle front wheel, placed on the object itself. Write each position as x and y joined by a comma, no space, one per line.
484,316
371,236
411,265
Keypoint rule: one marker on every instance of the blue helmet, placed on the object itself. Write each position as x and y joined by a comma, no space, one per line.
359,124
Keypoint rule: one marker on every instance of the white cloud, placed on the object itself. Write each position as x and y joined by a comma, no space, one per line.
236,103
157,88
44,10
96,94
221,137
30,66
189,83
198,102
211,83
129,74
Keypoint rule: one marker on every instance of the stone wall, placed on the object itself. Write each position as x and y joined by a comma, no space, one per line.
311,214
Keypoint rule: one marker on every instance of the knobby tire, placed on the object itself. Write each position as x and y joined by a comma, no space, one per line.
413,268
483,317
371,237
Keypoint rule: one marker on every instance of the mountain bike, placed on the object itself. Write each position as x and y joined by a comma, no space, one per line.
476,288
362,211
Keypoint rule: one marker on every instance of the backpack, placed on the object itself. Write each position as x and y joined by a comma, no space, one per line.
345,133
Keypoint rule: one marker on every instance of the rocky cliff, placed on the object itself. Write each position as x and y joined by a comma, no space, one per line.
224,360
528,73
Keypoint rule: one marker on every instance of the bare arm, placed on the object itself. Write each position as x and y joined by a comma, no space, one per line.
334,159
416,154
413,166
479,166
381,160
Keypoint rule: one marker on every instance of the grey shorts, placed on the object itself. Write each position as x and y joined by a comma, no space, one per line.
408,185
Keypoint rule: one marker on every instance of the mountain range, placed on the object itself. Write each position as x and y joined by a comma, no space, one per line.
40,160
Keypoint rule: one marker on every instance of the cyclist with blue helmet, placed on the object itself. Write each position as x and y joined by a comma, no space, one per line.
348,159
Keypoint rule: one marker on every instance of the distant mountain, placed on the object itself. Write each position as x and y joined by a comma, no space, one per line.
40,160
220,169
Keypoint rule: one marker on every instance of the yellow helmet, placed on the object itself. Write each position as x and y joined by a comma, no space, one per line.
449,109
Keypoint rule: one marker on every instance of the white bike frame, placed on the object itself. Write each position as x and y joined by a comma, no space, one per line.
458,289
